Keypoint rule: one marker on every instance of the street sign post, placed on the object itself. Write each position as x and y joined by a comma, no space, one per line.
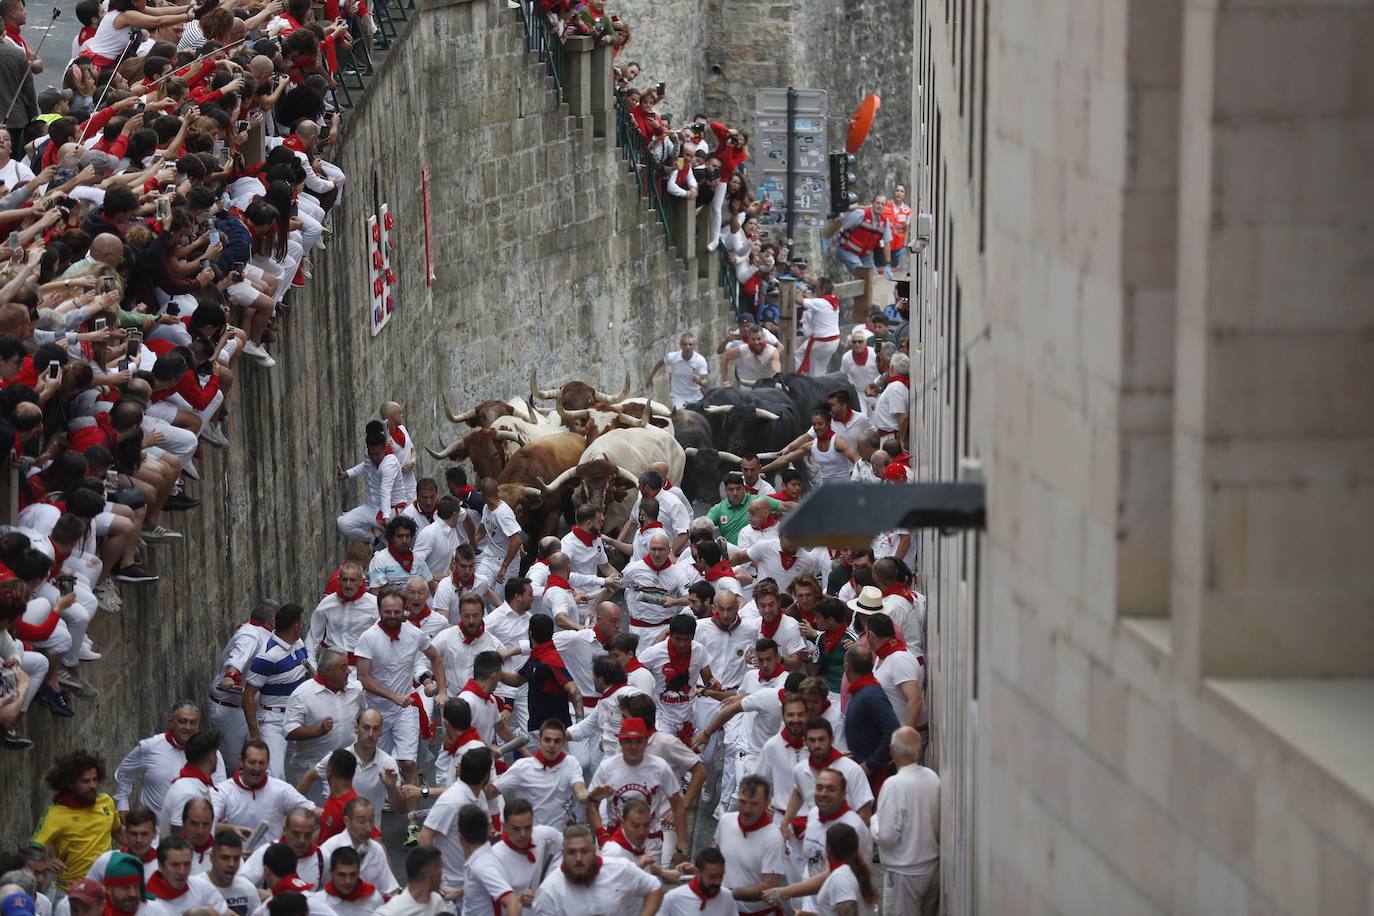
791,171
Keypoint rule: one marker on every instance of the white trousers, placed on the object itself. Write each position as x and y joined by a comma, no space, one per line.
357,524
233,730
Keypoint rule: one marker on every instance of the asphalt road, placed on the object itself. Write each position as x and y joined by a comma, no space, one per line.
57,49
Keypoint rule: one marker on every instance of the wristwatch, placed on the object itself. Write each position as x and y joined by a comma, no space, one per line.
424,791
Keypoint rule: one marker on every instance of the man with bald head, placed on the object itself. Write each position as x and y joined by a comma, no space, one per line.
377,778
402,446
906,827
655,588
298,832
323,179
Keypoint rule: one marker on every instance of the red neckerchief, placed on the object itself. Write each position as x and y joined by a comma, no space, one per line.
406,559
601,637
650,526
294,142
771,522
900,590
547,653
361,892
722,570
292,882
649,562
839,813
860,360
461,739
564,866
147,857
550,764
834,755
325,684
59,557
475,689
768,630
238,780
889,647
787,558
418,619
557,582
583,535
162,889
614,689
392,634
905,380
759,351
825,437
526,851
191,772
634,664
724,629
833,300
679,666
200,850
466,586
345,599
831,641
68,801
859,683
618,836
798,744
13,34
398,436
469,640
849,418
171,739
701,895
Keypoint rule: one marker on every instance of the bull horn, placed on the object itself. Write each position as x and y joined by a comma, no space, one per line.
765,414
730,457
508,436
567,415
551,488
714,409
457,417
767,456
536,391
690,451
624,392
529,412
446,453
659,410
633,479
530,491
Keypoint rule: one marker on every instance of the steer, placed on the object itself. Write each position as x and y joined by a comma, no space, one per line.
750,420
574,395
608,469
487,413
489,448
519,482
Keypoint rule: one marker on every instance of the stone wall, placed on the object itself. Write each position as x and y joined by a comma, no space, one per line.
544,254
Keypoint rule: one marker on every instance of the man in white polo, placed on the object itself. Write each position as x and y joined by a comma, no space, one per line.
318,713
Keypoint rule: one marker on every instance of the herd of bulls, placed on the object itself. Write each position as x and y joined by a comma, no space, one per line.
593,446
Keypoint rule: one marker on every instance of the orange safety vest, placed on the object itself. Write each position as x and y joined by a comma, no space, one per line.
866,236
898,218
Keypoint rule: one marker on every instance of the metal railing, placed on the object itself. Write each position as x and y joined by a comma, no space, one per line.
647,171
728,283
545,41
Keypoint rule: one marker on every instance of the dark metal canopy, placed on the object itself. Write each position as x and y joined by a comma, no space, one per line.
851,514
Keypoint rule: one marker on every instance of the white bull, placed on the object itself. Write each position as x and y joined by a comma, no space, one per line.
609,468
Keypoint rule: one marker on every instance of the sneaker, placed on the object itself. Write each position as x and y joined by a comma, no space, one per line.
213,435
254,350
189,469
413,835
159,534
134,573
57,702
72,679
11,740
88,654
108,598
178,502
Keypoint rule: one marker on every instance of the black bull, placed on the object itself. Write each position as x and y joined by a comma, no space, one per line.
748,421
807,392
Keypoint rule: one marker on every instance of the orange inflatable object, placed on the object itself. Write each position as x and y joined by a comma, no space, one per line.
861,121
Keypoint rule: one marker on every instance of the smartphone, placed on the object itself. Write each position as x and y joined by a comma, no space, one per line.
214,236
100,324
53,368
123,365
66,584
661,89
239,266
242,127
107,284
164,208
14,239
173,309
111,480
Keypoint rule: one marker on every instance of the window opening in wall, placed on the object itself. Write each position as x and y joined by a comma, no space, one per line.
973,83
960,57
983,140
968,403
976,587
953,367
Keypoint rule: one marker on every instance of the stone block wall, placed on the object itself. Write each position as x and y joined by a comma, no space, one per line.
544,255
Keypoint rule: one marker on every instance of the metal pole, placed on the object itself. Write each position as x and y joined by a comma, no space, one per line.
28,70
791,163
787,301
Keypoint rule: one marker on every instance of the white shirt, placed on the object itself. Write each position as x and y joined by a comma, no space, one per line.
787,635
393,660
484,883
312,868
674,701
199,892
909,616
683,901
682,384
728,652
579,649
405,905
245,807
751,368
652,781
316,900
158,762
539,578
605,716
485,714
437,542
586,558
673,514
447,595
500,525
548,789
239,897
310,704
559,600
672,751
238,653
760,728
182,790
813,844
892,405
859,376
367,781
376,869
387,570
382,487
519,869
841,887
856,790
749,858
645,589
443,820
825,318
892,672
906,822
338,624
849,430
749,535
97,871
620,888
779,760
457,654
767,557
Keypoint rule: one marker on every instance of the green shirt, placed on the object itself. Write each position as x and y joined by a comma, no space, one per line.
730,520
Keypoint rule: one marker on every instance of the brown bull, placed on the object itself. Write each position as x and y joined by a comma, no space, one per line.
485,413
575,395
483,447
519,482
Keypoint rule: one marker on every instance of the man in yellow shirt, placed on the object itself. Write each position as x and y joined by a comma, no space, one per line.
82,821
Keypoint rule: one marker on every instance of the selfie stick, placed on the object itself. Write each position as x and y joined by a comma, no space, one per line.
28,71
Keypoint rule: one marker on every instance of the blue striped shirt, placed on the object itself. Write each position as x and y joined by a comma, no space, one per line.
278,669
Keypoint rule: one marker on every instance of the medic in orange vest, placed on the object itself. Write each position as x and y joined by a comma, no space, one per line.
862,231
898,216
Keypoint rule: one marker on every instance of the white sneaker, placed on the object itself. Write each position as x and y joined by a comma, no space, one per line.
90,655
213,435
108,598
256,351
190,471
